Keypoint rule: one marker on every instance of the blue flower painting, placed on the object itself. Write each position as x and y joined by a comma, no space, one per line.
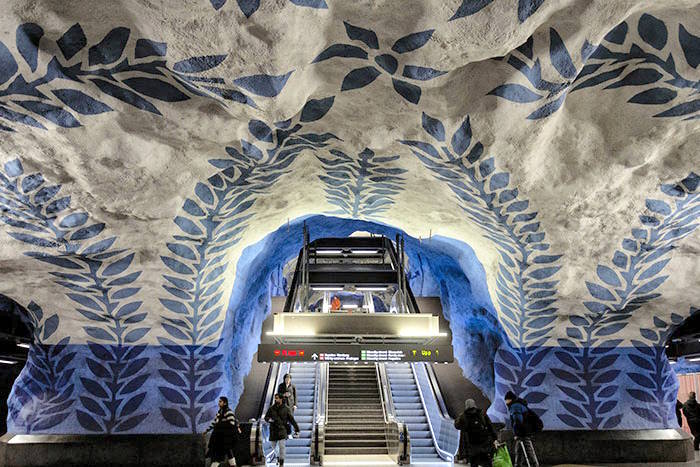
622,60
87,75
366,45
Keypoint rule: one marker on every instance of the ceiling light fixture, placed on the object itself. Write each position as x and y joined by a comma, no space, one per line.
329,252
7,362
24,345
364,252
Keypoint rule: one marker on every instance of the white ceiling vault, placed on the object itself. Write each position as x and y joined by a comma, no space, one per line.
559,139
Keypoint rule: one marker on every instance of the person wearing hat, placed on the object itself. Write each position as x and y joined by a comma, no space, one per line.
477,436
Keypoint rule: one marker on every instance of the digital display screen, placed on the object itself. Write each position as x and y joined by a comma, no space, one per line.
354,353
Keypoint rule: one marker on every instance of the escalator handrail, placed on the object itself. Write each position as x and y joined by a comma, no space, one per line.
441,452
437,392
385,394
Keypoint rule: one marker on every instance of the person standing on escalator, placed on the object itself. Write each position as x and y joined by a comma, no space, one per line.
289,394
279,416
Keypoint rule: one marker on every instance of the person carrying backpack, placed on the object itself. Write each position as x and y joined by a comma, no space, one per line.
477,436
525,423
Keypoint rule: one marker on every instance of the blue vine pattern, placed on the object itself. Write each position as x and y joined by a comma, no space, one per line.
98,278
212,222
43,395
362,186
360,77
638,64
248,7
526,8
654,378
630,282
525,289
138,75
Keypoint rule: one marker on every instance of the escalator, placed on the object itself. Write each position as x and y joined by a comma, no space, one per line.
409,409
304,378
420,405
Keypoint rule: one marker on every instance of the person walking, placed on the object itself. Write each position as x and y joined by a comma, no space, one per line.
691,410
289,394
224,434
679,414
477,436
279,416
523,421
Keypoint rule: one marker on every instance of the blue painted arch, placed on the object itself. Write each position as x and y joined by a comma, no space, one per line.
440,267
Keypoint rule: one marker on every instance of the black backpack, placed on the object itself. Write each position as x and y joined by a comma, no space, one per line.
532,422
476,427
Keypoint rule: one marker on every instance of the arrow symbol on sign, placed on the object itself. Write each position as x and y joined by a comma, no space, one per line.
314,357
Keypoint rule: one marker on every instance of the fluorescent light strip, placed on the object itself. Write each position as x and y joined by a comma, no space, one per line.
24,345
8,362
371,289
329,289
349,307
364,252
694,359
329,252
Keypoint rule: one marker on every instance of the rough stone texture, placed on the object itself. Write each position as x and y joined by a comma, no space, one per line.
554,127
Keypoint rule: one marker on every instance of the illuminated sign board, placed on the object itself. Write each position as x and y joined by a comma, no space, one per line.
354,353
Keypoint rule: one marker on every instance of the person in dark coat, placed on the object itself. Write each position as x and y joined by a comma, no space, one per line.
279,416
477,436
289,395
517,409
679,414
225,432
691,410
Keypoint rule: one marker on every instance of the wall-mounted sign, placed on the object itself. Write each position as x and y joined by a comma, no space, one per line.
354,353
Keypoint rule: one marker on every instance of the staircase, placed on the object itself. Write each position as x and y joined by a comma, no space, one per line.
409,409
304,378
355,417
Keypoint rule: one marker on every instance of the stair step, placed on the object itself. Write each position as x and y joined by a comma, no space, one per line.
355,443
355,450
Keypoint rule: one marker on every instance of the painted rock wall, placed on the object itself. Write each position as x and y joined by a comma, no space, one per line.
150,159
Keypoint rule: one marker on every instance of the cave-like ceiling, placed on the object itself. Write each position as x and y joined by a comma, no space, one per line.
144,145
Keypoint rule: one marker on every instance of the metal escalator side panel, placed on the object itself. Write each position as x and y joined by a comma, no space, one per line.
319,414
445,436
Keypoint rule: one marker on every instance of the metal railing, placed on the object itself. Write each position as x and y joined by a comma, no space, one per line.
445,435
398,441
318,430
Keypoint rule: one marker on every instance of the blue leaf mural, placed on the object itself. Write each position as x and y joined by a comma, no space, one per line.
213,220
525,287
97,277
43,396
138,77
612,65
362,186
360,77
526,8
620,289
